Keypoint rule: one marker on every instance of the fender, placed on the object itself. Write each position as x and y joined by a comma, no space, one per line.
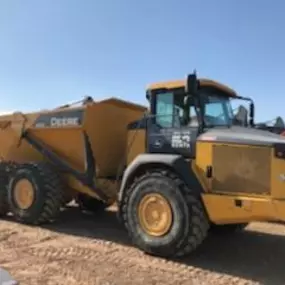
178,163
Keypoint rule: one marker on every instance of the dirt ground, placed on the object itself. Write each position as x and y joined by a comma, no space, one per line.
88,249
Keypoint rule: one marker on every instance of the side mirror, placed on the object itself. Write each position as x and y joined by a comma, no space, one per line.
148,95
191,86
251,114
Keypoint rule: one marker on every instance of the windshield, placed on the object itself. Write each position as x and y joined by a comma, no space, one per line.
171,110
216,109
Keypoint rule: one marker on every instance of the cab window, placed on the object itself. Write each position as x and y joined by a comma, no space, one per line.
164,110
171,112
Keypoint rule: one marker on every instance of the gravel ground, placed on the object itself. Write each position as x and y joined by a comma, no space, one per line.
86,249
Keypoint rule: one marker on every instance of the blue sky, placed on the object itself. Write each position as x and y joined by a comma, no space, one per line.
56,51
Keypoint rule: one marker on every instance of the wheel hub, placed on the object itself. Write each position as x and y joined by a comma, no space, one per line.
24,194
155,214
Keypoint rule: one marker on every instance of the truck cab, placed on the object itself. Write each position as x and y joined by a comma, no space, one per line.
177,119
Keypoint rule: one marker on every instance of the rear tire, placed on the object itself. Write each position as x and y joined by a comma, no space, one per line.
90,204
46,189
5,172
189,221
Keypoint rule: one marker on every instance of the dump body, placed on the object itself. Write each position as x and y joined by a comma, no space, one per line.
62,131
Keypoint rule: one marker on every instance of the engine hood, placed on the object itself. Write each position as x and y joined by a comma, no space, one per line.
242,135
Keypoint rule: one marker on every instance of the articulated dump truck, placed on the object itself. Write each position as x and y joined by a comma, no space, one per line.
177,169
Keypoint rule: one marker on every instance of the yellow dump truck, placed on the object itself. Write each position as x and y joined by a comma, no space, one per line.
176,170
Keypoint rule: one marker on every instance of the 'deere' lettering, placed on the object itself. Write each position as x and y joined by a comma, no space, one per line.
60,122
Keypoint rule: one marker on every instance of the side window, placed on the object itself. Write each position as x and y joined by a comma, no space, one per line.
164,110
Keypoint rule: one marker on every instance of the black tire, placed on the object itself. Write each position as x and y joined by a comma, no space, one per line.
90,204
47,189
190,225
228,229
5,172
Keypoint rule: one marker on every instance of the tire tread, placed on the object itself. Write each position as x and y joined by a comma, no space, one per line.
50,183
199,220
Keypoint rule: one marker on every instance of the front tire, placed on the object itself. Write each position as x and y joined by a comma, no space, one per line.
35,193
185,223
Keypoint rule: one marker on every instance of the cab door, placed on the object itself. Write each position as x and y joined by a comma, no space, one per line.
166,133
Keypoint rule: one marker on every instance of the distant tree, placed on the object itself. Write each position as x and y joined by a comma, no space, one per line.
279,123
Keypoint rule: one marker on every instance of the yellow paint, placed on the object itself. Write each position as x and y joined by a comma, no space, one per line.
24,194
221,209
136,144
155,214
106,126
203,159
221,206
277,169
181,84
279,206
124,104
171,84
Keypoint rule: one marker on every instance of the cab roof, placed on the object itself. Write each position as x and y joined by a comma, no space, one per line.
202,81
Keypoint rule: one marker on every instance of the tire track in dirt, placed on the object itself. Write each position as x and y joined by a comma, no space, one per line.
42,256
111,253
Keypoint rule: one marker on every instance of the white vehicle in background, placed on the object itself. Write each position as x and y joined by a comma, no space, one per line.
6,278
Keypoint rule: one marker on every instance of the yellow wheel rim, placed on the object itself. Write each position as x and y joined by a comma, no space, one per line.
24,194
155,214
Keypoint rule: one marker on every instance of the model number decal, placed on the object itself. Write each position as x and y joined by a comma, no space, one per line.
60,119
181,139
60,122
